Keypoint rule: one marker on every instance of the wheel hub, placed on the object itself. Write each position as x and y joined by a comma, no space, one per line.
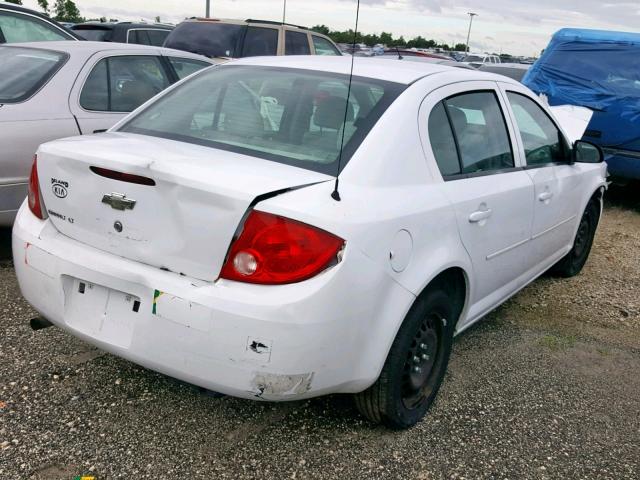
421,358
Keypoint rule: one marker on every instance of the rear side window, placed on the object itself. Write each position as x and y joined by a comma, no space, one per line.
25,28
25,71
443,143
471,126
260,42
140,37
122,84
543,142
324,46
186,66
296,43
94,34
290,116
147,37
207,38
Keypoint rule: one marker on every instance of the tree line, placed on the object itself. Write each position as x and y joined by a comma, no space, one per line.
385,38
61,10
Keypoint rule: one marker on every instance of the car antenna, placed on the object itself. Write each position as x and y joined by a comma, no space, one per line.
398,52
336,194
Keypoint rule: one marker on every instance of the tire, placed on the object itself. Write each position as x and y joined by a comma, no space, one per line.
571,264
401,396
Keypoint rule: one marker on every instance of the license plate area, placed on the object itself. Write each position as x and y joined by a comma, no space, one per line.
103,313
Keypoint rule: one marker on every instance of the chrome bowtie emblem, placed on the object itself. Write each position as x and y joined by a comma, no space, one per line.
118,201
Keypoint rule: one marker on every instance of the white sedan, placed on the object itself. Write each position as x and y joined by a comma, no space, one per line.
205,236
51,90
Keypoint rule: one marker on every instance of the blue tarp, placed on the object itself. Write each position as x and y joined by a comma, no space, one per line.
599,70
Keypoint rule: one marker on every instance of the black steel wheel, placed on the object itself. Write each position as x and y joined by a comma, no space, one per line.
572,263
416,364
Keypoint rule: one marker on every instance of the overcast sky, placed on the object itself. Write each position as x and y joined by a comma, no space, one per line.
521,27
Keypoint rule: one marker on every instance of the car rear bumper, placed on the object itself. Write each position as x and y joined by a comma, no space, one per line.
326,335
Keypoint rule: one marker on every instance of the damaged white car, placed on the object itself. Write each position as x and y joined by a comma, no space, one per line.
205,235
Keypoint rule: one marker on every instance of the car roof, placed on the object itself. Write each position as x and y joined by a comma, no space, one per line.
111,25
248,21
89,48
387,70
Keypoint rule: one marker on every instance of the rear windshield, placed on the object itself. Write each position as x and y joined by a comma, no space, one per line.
25,70
473,58
290,116
207,38
93,34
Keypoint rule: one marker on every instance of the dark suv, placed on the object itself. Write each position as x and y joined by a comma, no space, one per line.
124,32
19,24
247,38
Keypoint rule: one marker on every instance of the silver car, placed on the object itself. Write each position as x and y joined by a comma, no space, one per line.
50,90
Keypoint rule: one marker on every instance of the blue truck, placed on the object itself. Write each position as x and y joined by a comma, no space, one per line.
599,70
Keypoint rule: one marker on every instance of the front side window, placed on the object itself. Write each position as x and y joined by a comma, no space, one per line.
186,66
123,83
291,116
296,43
543,142
25,71
260,41
481,132
324,46
17,28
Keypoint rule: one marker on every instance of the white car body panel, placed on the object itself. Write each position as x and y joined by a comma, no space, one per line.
403,225
54,112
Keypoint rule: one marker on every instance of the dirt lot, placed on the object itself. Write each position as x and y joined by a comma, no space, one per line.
545,387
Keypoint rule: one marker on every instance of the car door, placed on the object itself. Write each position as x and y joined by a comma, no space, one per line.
483,179
546,153
113,84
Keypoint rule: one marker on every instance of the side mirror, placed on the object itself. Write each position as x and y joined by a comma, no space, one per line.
586,152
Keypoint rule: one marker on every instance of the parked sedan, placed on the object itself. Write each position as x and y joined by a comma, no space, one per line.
206,235
19,24
52,90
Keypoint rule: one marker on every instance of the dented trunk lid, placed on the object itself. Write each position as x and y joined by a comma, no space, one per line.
184,223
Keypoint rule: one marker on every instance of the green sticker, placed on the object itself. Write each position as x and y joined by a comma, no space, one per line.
156,295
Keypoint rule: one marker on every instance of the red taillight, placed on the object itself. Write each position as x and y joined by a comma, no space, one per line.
35,203
275,250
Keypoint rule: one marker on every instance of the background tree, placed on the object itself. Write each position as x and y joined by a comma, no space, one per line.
17,2
44,5
67,11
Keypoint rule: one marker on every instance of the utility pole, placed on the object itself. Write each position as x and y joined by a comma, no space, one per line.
471,15
284,12
208,11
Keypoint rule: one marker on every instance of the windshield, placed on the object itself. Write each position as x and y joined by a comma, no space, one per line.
290,116
473,58
93,34
25,70
207,38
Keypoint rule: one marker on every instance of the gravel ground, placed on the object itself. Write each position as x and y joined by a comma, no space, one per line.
547,386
